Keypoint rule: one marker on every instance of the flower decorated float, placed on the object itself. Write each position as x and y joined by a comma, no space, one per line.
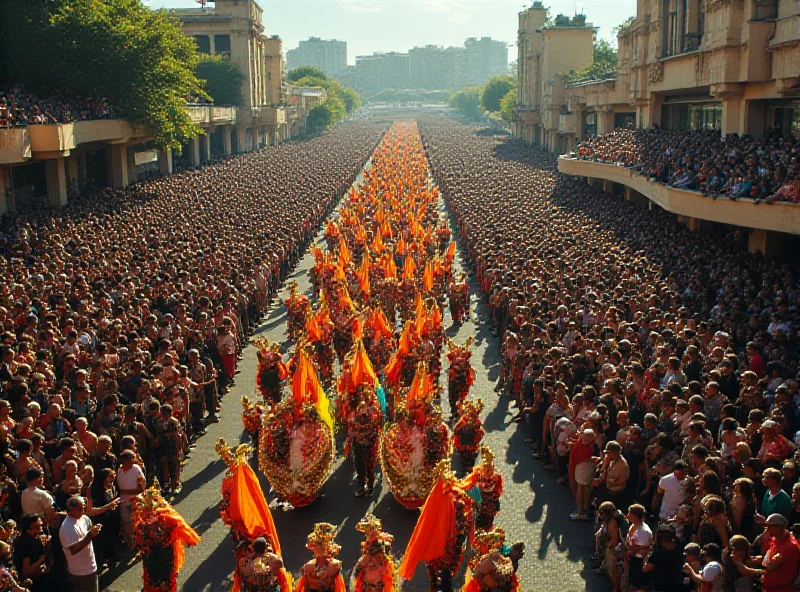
161,534
412,447
296,447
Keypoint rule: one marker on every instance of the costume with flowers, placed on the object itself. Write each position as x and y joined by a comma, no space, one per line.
461,375
375,571
458,296
272,372
490,570
296,448
443,529
319,333
468,433
324,572
160,534
245,511
297,306
412,447
490,483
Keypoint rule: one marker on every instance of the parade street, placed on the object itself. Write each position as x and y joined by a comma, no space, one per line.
534,509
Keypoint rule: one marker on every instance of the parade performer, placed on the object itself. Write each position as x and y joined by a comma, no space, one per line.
458,295
296,448
252,417
375,571
491,569
319,333
443,529
324,572
261,570
461,375
490,483
297,305
245,511
468,433
160,534
364,428
271,371
378,337
411,448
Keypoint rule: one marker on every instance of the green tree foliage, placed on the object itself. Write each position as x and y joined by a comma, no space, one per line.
467,101
507,105
223,79
352,100
341,101
137,58
305,71
604,64
495,90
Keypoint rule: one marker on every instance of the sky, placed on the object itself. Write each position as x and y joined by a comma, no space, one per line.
398,25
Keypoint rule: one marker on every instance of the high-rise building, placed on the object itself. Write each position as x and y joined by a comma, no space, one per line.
328,55
484,58
381,71
436,68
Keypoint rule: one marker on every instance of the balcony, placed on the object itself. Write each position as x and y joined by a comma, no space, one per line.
15,145
779,217
272,116
52,141
566,123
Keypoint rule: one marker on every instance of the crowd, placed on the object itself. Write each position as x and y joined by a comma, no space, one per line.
123,315
18,107
766,169
655,370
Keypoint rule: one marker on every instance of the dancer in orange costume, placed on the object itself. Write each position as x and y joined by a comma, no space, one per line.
375,571
324,572
490,482
490,569
468,433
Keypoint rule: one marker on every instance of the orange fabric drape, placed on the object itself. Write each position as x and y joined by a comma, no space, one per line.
436,524
361,370
409,268
249,508
182,535
338,585
421,386
427,277
306,388
380,323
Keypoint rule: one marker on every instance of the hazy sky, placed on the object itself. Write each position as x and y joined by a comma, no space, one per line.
397,25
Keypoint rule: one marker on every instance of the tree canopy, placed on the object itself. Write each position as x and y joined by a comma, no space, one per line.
467,101
222,79
495,90
507,105
604,64
340,102
305,71
135,57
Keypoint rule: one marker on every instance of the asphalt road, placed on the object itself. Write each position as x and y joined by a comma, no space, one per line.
534,508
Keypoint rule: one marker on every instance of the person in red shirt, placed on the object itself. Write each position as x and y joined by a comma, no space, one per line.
582,463
782,560
756,360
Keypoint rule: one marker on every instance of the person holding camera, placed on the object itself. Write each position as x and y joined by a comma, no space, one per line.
76,534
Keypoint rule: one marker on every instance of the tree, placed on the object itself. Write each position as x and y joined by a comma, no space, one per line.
507,105
305,71
319,119
467,101
223,79
136,58
604,64
495,90
352,100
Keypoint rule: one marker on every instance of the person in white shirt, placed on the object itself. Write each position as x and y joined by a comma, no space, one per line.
637,543
76,534
670,493
35,500
711,577
130,482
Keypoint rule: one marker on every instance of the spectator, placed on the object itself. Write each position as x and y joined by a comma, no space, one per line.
76,534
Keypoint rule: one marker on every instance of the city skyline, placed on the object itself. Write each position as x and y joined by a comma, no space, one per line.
370,26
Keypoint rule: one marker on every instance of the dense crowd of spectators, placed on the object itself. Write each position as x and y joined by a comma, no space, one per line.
18,107
655,370
766,169
122,317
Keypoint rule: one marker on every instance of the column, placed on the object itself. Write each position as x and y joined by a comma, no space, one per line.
730,115
5,182
255,140
608,186
194,151
768,242
212,49
56,177
131,165
241,139
165,161
605,122
119,165
72,170
207,145
226,139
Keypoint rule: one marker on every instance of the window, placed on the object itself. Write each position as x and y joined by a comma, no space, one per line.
765,10
222,45
203,43
705,117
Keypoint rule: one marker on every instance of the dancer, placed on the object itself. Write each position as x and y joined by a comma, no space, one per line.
324,572
491,570
375,570
490,483
468,433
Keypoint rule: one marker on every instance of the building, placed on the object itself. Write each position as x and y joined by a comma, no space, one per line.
436,68
47,162
729,66
235,28
381,71
328,55
484,58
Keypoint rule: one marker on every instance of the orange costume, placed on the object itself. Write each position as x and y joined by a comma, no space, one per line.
490,570
375,570
324,572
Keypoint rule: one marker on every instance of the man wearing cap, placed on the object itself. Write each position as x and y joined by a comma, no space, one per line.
711,578
670,494
614,475
76,534
781,562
